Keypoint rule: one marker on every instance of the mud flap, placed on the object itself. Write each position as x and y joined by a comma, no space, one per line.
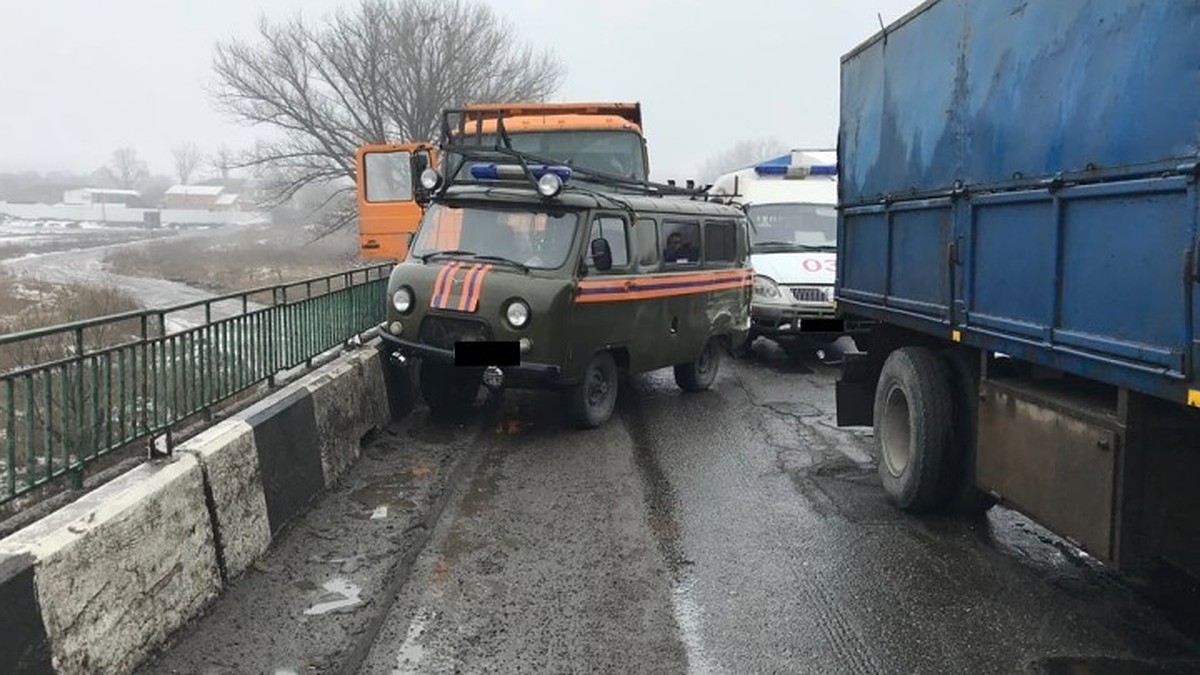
856,391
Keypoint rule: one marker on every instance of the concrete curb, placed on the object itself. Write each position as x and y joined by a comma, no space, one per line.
103,582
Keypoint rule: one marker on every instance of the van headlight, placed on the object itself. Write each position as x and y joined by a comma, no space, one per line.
517,314
765,288
402,300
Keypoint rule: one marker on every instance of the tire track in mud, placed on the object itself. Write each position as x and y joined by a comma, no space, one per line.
401,571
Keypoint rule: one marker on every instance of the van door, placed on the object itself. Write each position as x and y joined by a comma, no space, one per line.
602,313
390,197
684,295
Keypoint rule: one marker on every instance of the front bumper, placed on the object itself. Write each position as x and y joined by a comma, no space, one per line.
525,374
799,321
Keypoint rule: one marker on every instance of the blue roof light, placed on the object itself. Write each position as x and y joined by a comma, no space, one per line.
771,169
823,170
484,172
539,170
496,172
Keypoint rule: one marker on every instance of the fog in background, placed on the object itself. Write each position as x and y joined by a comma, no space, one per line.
79,79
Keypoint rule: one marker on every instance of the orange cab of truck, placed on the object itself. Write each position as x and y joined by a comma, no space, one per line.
605,137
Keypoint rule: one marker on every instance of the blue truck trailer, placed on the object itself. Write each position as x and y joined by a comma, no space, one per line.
1018,220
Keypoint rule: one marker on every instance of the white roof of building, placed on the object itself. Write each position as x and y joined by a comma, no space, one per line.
227,198
109,191
196,190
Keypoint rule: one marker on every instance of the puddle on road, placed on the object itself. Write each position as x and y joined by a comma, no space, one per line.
391,494
339,594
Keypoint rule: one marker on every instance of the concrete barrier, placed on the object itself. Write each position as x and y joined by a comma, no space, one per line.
100,584
120,569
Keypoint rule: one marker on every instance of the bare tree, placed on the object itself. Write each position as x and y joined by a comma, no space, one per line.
188,159
380,72
742,154
128,169
224,160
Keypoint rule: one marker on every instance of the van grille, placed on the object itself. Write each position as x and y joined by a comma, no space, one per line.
810,294
442,332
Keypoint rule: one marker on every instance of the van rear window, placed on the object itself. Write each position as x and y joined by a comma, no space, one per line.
720,242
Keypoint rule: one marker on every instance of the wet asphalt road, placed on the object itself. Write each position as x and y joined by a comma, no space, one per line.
732,531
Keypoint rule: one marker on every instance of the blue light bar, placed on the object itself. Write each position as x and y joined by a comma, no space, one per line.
496,172
823,170
770,169
539,170
484,172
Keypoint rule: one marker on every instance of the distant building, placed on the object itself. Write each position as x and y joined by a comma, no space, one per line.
89,196
198,197
228,201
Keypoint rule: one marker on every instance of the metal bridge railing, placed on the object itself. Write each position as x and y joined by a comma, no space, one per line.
71,394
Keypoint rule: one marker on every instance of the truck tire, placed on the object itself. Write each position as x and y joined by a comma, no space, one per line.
913,426
958,481
590,403
701,373
445,389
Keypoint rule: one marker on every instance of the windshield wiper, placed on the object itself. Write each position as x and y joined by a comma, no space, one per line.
425,257
500,259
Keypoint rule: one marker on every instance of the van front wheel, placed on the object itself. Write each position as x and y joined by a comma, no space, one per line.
592,400
701,373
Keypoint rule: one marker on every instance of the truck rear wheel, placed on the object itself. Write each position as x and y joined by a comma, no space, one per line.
913,426
958,480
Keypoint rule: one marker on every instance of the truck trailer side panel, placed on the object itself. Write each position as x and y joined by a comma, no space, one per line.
1029,186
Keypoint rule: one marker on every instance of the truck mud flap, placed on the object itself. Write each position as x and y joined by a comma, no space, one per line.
856,391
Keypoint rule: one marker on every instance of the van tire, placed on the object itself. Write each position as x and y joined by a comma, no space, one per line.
913,426
959,492
591,402
701,373
445,389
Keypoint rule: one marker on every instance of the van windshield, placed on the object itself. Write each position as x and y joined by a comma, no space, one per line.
613,152
792,227
523,238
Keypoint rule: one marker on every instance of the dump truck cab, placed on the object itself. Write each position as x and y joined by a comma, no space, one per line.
521,276
600,137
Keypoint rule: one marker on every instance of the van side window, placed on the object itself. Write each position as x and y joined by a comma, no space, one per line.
681,243
645,236
612,229
720,241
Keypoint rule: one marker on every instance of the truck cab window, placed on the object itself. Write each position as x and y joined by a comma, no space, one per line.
681,243
388,176
612,229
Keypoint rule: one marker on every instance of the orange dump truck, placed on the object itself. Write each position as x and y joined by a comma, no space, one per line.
604,137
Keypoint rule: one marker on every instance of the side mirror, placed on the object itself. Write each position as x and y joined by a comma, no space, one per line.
420,162
601,255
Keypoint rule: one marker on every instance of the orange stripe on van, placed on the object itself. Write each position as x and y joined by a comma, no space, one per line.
468,281
441,286
661,286
475,288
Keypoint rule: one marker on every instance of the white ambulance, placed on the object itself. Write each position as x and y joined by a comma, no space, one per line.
791,202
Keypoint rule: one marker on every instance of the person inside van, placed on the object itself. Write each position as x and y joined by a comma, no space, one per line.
679,249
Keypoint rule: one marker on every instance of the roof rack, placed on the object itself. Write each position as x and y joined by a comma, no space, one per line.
464,141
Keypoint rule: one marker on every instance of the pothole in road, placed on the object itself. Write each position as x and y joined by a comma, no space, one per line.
793,409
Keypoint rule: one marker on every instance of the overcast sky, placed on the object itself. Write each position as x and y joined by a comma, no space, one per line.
79,78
